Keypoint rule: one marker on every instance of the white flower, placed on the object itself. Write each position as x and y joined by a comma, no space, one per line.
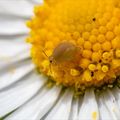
23,91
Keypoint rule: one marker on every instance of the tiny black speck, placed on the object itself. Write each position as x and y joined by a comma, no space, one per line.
94,19
100,61
92,74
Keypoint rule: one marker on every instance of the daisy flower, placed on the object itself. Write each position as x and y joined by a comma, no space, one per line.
73,70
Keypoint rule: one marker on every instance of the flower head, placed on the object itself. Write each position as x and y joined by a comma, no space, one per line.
91,28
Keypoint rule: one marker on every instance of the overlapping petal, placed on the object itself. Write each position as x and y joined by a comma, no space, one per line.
37,107
13,97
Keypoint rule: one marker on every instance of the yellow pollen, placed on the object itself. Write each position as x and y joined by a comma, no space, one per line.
94,116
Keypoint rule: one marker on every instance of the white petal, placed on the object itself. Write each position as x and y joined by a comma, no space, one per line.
37,107
116,93
12,26
89,108
61,110
74,111
11,52
15,96
16,38
15,73
104,113
16,7
9,49
111,104
37,1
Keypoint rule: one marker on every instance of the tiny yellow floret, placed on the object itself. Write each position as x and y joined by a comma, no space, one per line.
101,38
84,63
92,67
87,54
109,35
74,72
117,53
96,47
102,30
106,46
87,76
93,39
105,68
87,45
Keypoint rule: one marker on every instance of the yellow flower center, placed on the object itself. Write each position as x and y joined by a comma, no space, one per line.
90,27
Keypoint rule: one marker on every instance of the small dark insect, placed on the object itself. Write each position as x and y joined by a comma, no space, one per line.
64,52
